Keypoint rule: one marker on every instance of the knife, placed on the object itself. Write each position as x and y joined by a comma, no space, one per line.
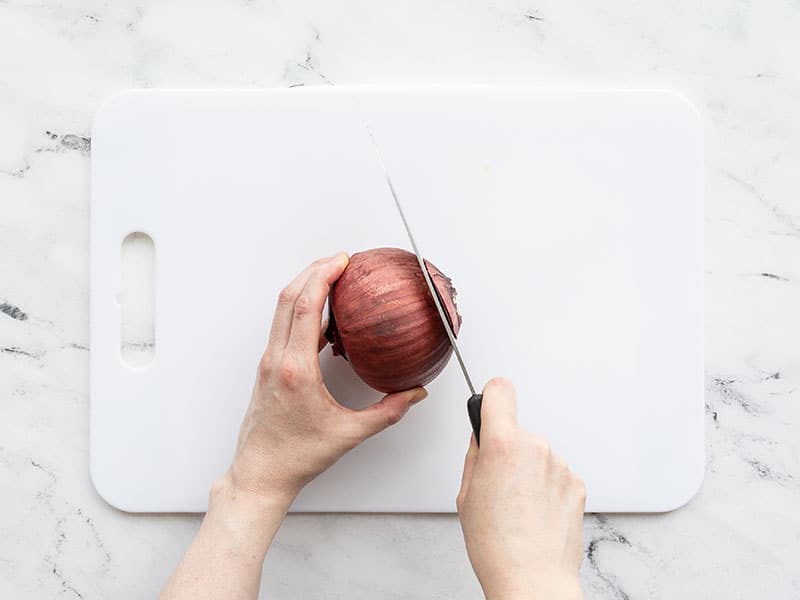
475,400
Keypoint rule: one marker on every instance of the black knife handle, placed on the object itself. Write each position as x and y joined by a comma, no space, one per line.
474,411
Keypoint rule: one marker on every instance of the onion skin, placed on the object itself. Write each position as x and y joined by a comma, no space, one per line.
384,322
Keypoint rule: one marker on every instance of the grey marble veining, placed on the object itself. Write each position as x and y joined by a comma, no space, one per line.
737,61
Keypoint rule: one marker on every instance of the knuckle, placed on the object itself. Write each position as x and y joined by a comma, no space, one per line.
265,365
393,417
288,373
287,295
302,306
560,466
579,486
504,442
540,446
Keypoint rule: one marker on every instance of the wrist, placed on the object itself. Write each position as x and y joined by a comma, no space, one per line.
566,588
249,520
248,501
254,473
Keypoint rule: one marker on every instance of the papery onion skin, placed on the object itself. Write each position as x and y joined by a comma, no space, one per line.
384,322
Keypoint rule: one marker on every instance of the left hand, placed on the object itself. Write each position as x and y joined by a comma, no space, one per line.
294,429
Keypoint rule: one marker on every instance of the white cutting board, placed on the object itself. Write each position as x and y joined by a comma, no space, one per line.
570,221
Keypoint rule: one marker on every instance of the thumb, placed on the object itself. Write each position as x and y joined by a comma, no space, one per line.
388,411
499,408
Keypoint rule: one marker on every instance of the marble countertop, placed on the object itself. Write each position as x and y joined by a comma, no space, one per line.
738,538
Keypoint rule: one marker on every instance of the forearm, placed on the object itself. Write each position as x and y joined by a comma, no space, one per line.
522,584
569,590
226,556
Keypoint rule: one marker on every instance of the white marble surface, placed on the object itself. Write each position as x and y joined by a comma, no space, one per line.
737,60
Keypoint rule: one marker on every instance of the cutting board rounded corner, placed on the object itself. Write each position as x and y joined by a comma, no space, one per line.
105,490
683,103
684,496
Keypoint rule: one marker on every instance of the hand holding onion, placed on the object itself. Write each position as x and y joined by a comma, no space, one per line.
294,429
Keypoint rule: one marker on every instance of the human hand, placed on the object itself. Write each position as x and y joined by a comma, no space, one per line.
294,429
521,508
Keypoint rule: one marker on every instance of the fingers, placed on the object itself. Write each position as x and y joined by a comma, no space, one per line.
388,411
284,310
559,467
282,319
499,408
469,465
579,489
307,315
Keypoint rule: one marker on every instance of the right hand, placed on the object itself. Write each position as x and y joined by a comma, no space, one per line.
521,508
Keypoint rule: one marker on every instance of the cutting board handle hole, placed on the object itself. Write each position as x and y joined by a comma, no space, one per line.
137,300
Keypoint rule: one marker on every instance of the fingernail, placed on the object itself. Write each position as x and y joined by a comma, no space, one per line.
419,396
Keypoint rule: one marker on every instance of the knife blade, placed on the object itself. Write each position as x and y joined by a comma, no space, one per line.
475,401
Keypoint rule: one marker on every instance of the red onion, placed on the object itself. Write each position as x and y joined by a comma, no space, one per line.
384,322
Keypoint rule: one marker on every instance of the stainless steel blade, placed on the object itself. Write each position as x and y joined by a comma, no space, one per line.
425,273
